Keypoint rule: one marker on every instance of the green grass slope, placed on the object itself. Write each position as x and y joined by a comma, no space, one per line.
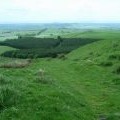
98,50
84,86
5,48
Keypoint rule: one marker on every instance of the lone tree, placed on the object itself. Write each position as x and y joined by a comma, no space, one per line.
60,39
19,36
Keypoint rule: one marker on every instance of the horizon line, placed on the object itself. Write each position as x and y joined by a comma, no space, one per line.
60,23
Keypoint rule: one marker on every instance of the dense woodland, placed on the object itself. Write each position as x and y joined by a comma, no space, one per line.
30,47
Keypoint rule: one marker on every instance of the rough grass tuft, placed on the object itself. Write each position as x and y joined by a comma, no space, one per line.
106,64
116,81
3,80
114,57
42,77
8,97
117,70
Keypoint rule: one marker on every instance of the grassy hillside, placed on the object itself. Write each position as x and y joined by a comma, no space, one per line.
84,86
99,50
5,48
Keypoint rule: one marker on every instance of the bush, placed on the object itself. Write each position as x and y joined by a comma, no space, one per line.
61,56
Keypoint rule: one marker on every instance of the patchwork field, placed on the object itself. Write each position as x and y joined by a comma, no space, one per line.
81,84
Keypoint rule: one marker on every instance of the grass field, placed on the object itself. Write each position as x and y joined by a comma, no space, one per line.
83,86
5,48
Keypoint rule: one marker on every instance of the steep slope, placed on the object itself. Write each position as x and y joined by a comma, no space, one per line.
97,50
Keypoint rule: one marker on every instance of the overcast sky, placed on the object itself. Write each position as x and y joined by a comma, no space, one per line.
37,11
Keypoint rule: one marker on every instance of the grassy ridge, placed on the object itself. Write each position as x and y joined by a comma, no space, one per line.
86,89
84,86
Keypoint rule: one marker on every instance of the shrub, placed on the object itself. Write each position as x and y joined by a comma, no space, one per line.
61,56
